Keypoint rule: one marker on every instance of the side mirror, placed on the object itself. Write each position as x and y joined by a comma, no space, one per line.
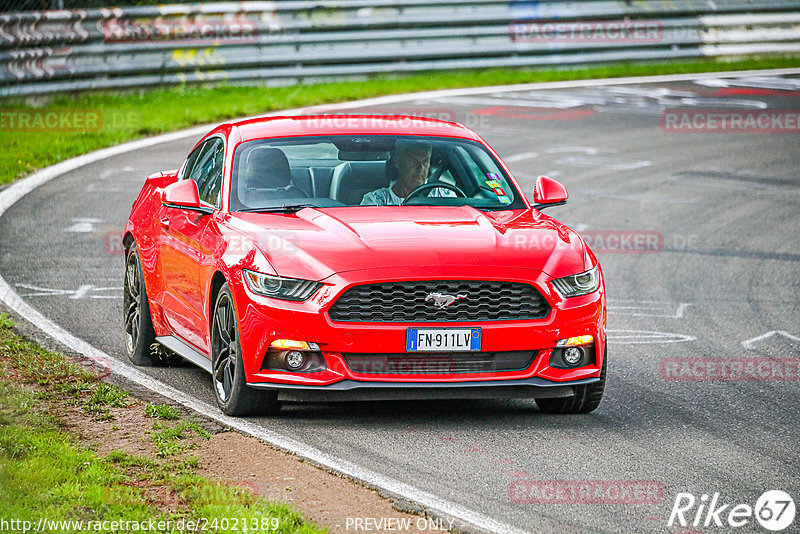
548,192
185,196
162,178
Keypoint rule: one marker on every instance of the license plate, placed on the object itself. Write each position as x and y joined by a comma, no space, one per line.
443,340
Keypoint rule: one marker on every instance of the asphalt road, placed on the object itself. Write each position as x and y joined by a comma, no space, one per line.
725,209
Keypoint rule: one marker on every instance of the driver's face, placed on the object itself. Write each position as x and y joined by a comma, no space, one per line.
412,167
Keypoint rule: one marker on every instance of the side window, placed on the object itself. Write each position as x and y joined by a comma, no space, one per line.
205,168
210,185
191,160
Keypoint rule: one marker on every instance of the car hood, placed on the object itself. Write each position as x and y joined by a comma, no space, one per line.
314,243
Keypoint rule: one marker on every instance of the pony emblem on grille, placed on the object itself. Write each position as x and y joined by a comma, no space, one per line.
443,300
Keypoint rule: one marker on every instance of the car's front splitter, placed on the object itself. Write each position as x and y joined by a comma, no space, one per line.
353,390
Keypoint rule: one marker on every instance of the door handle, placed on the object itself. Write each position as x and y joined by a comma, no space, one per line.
164,222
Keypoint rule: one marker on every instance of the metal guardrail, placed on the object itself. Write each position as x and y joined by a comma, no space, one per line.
298,41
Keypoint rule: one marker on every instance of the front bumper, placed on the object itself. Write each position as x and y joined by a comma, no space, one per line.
262,320
351,390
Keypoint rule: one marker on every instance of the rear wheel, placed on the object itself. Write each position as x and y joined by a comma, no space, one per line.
233,395
586,398
139,334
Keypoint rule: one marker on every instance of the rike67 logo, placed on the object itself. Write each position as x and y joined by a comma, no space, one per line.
774,510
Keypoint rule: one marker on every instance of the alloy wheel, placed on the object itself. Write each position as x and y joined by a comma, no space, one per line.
133,302
225,346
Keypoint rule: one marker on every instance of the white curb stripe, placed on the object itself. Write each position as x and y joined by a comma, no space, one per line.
10,195
406,491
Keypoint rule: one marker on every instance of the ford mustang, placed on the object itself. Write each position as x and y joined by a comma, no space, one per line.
361,257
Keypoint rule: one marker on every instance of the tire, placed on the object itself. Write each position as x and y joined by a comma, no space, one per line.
139,333
233,395
586,398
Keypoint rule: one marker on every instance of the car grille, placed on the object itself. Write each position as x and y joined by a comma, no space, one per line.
404,302
438,363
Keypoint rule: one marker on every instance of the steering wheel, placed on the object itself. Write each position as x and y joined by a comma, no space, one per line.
436,185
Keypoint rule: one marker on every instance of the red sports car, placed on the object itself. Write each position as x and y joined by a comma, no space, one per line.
362,257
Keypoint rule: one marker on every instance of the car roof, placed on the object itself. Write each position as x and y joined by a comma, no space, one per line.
280,126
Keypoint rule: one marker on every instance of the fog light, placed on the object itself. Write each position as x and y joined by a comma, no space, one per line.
573,355
295,360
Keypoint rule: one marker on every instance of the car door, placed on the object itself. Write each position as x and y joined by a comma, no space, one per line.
183,247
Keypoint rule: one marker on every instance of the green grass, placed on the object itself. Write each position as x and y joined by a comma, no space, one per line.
45,472
169,440
130,115
161,411
103,397
33,363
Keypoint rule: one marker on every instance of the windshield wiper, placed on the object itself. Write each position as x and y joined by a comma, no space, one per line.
286,208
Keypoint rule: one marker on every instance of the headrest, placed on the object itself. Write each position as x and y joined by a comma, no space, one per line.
391,170
267,168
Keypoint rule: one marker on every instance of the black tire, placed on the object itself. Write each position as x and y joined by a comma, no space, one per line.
139,333
586,398
233,395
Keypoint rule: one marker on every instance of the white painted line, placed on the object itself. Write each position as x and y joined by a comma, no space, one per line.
647,308
83,291
749,344
760,82
544,100
16,191
644,337
588,150
82,225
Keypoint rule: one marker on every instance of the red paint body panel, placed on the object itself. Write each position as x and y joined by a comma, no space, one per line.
181,251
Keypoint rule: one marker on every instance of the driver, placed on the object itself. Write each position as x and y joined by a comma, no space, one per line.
410,161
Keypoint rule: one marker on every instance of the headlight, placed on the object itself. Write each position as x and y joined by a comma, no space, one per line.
578,284
278,287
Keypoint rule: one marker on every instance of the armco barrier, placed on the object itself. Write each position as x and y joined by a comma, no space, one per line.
298,41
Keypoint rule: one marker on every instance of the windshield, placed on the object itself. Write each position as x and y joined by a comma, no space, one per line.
368,170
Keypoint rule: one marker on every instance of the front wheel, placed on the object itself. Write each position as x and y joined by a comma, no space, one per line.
233,395
586,398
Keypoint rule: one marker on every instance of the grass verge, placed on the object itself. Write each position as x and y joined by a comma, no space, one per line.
47,472
123,116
